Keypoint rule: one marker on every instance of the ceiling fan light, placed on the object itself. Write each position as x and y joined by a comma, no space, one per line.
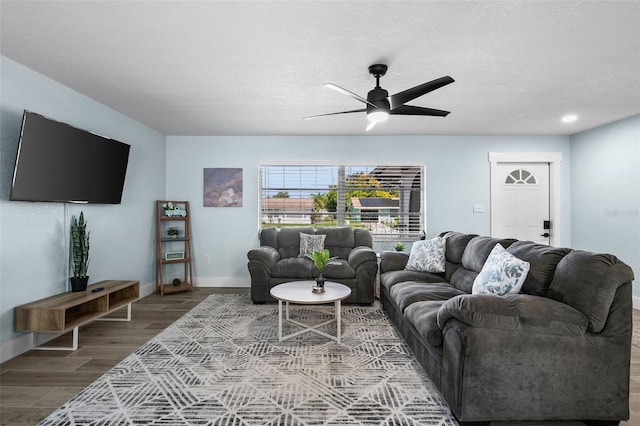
378,116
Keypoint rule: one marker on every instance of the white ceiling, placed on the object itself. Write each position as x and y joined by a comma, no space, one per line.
257,67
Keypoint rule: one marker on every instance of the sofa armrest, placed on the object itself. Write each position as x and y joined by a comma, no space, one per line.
265,255
519,312
360,255
393,261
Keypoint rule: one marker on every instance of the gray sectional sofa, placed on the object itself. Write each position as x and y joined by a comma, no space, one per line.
277,261
557,350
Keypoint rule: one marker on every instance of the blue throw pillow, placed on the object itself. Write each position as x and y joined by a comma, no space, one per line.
427,256
502,273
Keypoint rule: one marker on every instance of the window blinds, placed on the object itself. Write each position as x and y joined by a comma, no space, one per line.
386,199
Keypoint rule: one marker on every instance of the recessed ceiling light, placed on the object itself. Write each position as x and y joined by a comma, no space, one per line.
569,118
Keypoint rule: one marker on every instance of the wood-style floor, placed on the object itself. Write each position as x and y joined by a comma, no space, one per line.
34,384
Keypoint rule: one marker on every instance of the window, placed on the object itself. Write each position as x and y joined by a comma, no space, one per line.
521,177
386,199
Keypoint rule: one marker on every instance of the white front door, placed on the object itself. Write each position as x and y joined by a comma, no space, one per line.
521,205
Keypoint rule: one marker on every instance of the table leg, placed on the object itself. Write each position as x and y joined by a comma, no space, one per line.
127,318
280,319
74,346
338,320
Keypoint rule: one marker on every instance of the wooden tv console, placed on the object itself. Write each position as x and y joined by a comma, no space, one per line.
68,311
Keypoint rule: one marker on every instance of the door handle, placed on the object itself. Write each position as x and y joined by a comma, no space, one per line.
546,235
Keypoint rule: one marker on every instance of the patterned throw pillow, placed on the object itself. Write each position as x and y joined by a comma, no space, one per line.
502,273
310,243
427,256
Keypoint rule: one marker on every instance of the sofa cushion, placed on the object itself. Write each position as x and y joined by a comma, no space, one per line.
520,312
289,241
339,241
462,279
294,267
389,279
310,244
547,316
449,269
269,237
478,249
406,293
588,282
456,243
339,269
542,264
427,256
362,237
392,261
502,273
424,318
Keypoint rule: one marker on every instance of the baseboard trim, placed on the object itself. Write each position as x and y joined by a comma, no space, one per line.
147,289
27,341
636,302
223,282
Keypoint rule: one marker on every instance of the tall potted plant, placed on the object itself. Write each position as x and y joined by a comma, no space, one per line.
79,253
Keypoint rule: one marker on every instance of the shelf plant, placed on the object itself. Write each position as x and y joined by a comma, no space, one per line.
399,246
79,253
173,232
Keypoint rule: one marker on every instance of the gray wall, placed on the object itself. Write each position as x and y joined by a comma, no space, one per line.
32,235
457,176
605,196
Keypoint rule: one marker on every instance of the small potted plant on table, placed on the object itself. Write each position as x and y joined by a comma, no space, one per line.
320,259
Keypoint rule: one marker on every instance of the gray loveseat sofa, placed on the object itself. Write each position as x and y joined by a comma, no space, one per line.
277,261
558,350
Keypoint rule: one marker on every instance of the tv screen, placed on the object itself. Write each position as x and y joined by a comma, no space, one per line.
58,162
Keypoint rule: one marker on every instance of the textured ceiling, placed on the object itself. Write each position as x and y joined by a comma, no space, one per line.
257,68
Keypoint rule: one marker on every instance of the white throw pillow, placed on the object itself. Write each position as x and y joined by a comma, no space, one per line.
310,244
501,273
427,256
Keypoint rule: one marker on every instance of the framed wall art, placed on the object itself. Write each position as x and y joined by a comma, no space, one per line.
222,187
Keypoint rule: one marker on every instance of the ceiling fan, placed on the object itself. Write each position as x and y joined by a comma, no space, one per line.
380,104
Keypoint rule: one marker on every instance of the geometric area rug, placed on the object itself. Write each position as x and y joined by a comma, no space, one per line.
221,364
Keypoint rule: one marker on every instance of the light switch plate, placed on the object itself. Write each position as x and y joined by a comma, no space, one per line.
478,208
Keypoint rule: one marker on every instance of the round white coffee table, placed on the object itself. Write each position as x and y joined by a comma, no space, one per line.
299,292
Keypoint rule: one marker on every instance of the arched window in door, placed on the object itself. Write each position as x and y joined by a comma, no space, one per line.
521,177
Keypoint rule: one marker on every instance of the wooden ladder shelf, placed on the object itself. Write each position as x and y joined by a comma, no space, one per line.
173,250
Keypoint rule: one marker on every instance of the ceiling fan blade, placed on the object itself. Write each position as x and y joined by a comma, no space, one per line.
407,95
416,110
335,113
348,93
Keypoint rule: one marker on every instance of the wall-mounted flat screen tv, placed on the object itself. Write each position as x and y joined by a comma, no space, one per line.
60,163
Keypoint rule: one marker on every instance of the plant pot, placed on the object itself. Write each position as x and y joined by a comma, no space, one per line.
319,287
79,283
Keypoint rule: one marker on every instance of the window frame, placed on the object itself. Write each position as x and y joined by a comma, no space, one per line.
407,235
